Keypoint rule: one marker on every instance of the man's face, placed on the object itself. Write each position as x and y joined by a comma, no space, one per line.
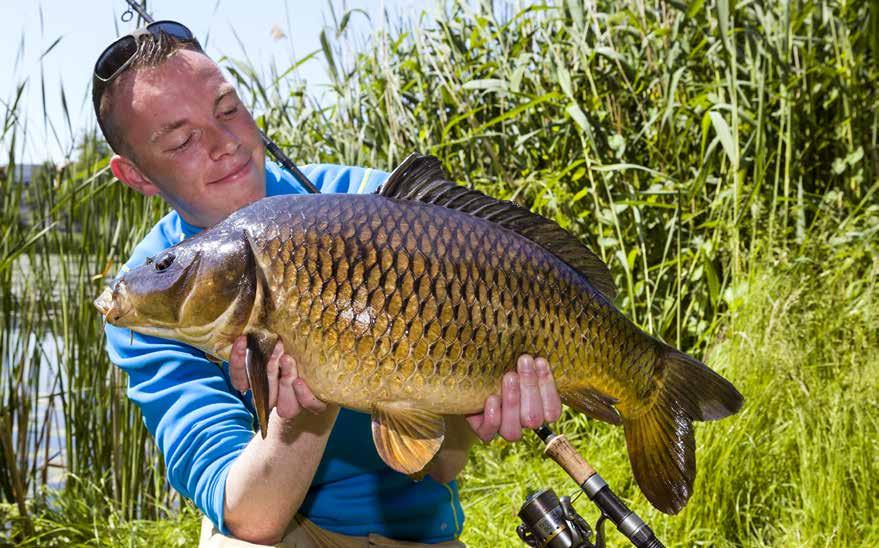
192,140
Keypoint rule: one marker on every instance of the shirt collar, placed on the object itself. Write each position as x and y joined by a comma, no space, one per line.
188,230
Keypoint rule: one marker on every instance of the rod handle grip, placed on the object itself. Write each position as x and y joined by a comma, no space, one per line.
559,449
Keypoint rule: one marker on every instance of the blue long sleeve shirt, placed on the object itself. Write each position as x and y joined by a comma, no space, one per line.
201,424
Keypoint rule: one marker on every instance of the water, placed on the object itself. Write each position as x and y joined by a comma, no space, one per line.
21,273
46,425
25,345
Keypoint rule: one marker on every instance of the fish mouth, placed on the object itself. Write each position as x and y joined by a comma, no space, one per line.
108,303
104,302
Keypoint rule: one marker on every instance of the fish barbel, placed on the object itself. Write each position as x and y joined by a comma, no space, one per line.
412,303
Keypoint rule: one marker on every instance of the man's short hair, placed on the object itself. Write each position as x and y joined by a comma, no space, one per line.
152,51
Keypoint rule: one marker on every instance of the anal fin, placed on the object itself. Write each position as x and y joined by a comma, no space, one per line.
406,438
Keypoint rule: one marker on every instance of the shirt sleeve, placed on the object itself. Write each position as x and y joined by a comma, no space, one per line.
336,179
198,424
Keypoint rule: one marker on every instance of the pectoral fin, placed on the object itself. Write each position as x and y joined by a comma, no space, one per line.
259,350
406,438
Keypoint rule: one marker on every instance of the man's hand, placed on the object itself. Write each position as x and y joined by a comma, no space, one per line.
288,393
528,399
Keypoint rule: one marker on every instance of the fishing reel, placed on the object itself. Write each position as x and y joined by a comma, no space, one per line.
552,522
548,521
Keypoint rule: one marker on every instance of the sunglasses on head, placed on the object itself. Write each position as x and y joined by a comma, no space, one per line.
119,54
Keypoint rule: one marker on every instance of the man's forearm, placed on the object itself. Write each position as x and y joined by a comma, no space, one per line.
269,480
452,456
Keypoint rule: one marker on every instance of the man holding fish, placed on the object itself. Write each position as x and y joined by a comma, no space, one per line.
314,477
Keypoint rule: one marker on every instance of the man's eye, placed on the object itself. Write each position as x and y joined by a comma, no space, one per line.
230,112
183,145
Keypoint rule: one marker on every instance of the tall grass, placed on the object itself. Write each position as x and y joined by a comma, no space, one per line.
721,157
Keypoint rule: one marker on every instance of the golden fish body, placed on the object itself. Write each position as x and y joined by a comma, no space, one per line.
387,301
412,303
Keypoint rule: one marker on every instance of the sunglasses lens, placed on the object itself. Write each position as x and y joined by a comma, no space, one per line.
115,56
120,52
170,27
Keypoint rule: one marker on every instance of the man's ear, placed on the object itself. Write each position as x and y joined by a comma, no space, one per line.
126,171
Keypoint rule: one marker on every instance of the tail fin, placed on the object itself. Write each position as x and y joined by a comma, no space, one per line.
662,448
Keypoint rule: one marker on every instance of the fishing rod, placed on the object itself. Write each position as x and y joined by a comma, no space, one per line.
552,522
270,145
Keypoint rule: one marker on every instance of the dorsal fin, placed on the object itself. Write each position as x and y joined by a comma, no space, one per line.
412,173
422,179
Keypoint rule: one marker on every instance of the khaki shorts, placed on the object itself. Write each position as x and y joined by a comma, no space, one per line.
305,534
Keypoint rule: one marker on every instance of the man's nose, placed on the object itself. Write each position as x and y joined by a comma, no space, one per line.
224,141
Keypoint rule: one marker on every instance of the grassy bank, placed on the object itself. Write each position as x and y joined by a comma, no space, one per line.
722,159
86,514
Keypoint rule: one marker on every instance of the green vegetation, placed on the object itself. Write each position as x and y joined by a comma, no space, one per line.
87,515
722,158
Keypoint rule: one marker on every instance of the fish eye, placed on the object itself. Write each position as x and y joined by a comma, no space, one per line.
165,262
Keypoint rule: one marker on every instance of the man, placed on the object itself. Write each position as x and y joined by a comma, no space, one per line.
180,131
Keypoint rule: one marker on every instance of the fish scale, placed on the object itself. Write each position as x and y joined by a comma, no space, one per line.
413,303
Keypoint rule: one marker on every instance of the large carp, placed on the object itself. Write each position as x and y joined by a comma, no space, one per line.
412,303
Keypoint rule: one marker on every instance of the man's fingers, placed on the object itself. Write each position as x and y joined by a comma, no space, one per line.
306,399
485,425
491,419
475,421
237,368
272,369
511,427
288,405
530,406
552,404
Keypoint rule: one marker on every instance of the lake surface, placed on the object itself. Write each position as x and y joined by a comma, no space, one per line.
35,361
46,425
45,439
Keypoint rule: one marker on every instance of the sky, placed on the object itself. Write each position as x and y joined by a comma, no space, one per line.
85,27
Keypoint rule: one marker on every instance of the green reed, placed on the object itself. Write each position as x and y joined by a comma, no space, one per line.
65,233
721,157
